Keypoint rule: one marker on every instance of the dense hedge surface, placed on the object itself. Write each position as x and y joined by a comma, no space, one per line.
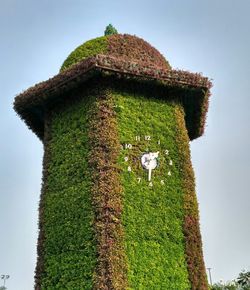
153,215
133,48
90,48
191,89
66,214
191,227
125,46
103,225
111,270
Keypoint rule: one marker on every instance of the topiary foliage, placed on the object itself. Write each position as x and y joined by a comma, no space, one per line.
100,228
153,216
125,46
114,233
111,269
110,29
191,228
161,223
67,245
92,47
193,90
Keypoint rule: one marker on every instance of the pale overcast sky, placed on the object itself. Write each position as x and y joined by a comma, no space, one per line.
209,36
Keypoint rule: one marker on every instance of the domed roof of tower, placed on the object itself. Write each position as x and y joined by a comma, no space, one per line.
123,46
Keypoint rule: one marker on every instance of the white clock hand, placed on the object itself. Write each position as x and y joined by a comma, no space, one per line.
149,173
152,158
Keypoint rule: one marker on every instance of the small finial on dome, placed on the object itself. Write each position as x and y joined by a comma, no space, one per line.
110,29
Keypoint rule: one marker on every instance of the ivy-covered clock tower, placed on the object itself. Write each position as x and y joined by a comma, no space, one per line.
118,208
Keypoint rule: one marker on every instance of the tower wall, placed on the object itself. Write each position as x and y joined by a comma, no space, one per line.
153,211
103,226
66,245
162,235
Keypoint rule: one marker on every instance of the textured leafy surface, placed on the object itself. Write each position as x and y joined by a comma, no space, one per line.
124,46
111,270
98,235
191,227
110,29
191,89
92,47
153,216
69,244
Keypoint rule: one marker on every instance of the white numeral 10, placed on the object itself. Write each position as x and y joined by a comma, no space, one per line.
128,146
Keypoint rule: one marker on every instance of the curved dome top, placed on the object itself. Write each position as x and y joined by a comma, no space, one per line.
128,47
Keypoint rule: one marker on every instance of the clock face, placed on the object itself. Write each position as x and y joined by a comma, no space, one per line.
147,159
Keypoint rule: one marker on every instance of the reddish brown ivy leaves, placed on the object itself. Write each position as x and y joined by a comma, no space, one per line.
41,237
133,48
111,270
191,229
31,103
